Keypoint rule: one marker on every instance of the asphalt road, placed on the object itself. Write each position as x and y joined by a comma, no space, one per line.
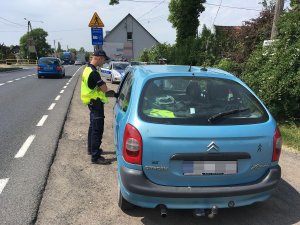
78,192
31,119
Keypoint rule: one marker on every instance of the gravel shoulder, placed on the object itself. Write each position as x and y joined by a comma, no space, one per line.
78,192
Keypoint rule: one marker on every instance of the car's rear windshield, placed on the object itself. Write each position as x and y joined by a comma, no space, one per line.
120,66
199,101
48,61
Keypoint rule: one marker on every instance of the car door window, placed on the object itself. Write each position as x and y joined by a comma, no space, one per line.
125,93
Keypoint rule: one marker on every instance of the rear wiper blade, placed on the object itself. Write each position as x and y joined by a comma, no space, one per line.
226,113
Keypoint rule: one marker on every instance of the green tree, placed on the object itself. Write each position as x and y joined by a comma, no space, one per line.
4,51
82,49
113,2
72,50
274,72
59,49
184,17
39,37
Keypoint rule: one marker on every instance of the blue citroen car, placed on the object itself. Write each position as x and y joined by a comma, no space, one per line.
50,66
193,138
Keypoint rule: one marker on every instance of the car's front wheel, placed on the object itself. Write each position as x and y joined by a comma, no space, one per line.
112,79
124,204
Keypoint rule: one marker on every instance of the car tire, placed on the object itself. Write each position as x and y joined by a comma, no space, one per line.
111,79
123,203
39,76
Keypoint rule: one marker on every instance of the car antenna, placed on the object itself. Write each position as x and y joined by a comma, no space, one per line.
192,58
190,67
204,65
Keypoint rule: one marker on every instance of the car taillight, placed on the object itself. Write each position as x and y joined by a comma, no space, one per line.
132,145
58,68
277,143
39,68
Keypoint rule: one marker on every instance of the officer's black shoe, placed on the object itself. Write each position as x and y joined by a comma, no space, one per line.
101,161
100,151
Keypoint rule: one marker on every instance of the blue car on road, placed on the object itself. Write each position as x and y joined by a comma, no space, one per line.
50,66
193,138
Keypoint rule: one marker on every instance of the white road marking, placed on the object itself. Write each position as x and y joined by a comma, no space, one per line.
51,106
25,147
9,81
65,86
18,79
67,83
57,98
3,182
1,84
24,77
32,74
42,121
62,91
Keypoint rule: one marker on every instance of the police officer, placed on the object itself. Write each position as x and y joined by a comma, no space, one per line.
93,90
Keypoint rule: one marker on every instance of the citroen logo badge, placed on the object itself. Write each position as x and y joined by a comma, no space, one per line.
212,147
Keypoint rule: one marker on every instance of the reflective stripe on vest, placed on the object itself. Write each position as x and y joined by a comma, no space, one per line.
86,93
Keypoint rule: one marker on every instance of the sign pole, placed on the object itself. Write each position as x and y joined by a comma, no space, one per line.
96,25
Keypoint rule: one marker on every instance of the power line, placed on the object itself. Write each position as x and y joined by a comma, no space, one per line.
152,9
20,25
232,7
153,18
78,29
143,1
217,12
8,31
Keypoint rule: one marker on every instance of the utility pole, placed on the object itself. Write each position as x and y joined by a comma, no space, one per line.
278,10
30,41
54,48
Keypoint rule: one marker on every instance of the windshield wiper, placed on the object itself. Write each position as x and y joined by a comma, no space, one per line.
226,113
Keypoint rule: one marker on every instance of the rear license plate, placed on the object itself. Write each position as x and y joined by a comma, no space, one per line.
47,68
209,167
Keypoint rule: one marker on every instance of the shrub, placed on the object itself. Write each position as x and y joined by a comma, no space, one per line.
274,72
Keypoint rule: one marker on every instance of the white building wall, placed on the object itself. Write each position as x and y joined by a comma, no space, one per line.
141,39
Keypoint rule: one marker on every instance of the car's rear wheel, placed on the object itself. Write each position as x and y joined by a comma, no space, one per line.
124,204
39,76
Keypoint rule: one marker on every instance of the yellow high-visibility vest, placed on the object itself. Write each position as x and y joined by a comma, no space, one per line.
86,93
160,113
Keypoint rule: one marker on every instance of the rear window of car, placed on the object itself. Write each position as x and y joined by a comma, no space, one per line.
199,101
48,61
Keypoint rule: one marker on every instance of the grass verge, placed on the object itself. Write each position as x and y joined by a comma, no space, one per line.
9,69
290,133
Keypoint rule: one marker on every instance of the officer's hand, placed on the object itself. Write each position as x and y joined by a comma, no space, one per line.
111,93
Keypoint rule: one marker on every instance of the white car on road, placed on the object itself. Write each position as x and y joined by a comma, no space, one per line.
114,71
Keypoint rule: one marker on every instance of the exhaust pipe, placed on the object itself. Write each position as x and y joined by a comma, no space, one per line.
199,212
213,212
163,211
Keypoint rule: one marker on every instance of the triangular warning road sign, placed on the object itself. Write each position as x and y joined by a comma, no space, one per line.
96,21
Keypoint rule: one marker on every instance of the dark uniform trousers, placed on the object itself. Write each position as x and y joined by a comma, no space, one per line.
96,127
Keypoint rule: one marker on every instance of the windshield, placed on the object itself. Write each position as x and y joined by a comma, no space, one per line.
120,66
198,100
48,61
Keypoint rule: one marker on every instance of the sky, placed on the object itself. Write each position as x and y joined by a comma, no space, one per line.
66,21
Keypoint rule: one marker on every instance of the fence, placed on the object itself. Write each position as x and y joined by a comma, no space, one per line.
19,62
